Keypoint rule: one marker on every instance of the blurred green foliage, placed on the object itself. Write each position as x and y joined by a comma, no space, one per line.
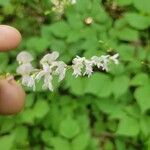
109,111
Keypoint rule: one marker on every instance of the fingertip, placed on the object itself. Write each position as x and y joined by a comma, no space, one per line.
10,38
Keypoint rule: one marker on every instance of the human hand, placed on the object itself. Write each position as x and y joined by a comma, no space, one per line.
12,96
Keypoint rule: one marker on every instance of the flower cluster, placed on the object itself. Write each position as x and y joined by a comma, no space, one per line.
25,69
50,66
80,64
59,6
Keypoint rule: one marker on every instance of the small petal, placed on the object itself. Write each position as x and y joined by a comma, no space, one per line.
105,62
24,69
61,70
114,58
39,75
48,82
88,68
28,81
97,61
78,66
49,58
24,57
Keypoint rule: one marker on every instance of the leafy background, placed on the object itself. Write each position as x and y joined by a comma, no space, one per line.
109,111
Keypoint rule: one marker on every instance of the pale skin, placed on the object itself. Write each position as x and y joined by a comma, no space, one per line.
10,38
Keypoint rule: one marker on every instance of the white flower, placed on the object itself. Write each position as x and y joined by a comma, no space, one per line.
46,72
88,67
78,66
51,66
24,69
97,61
55,2
105,62
28,81
61,70
73,1
114,58
24,57
48,82
49,58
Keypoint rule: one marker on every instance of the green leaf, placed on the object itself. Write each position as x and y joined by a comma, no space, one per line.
73,36
7,142
126,52
59,143
142,95
127,34
80,142
77,85
137,21
99,84
120,85
60,29
140,79
108,106
24,135
7,125
124,2
108,145
46,136
74,20
143,6
120,144
38,44
4,62
41,108
29,100
128,127
27,116
144,125
4,3
90,44
69,128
